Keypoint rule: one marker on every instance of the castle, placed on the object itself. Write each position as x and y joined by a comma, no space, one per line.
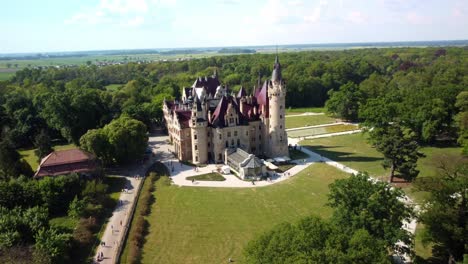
208,121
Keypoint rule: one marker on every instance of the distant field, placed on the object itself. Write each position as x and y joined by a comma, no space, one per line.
315,131
5,75
211,225
295,111
308,120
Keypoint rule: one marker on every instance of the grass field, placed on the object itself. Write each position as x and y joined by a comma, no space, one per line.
314,131
296,154
114,87
30,157
212,176
210,225
354,151
301,110
6,75
308,120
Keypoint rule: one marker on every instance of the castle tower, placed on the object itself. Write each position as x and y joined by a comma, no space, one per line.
198,126
278,145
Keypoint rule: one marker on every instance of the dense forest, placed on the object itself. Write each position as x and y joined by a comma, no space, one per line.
394,90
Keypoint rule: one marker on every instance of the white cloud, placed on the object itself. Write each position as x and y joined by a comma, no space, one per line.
123,12
136,21
356,17
417,19
316,12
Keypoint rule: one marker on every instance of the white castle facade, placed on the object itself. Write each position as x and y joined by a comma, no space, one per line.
208,122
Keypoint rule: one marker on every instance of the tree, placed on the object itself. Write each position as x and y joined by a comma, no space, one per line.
11,166
344,103
122,140
399,147
76,208
54,243
43,145
362,203
313,240
128,139
445,212
96,142
462,120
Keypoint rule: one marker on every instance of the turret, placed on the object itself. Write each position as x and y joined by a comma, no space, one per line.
198,127
278,146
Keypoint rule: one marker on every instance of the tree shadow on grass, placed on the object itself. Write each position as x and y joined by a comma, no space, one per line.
340,156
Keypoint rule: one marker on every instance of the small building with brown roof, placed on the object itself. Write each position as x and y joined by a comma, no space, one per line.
65,162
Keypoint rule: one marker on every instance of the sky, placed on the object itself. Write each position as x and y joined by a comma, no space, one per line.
74,25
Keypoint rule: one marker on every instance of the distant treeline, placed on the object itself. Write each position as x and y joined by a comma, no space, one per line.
236,50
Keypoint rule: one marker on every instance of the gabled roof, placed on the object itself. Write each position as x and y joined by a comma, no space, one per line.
209,83
241,92
218,115
252,162
65,162
184,117
65,157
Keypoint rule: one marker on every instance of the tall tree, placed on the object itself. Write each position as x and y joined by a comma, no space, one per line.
399,147
362,203
445,213
344,103
462,120
11,165
43,144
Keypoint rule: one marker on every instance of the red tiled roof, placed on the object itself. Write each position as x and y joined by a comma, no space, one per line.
66,157
184,117
63,169
66,161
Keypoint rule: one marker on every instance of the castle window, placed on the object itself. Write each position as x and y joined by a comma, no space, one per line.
232,142
196,158
196,147
231,120
281,138
281,127
208,144
259,127
229,134
195,136
208,133
227,144
235,133
220,157
246,133
220,136
238,142
260,137
281,116
281,107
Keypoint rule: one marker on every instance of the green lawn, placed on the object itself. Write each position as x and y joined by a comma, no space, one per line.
301,110
296,154
308,120
314,131
212,176
210,225
355,152
30,157
114,87
6,75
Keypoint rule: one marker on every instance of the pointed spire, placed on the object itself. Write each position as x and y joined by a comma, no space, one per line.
276,74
